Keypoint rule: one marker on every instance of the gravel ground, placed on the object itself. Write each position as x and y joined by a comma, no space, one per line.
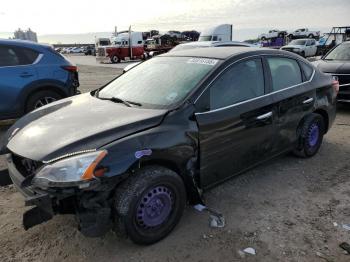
285,209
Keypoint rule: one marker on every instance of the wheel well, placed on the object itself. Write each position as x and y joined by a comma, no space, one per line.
193,195
45,88
324,114
161,162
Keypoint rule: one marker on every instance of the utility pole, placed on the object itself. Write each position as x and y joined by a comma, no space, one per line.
130,45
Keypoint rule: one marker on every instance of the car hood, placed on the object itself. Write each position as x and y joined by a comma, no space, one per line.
333,66
76,124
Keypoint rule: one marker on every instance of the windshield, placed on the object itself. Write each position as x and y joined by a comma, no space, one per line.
341,52
298,42
205,38
160,82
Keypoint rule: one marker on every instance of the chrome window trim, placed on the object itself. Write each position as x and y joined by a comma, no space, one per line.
345,85
255,98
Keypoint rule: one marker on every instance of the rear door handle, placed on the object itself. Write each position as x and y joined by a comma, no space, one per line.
308,101
264,116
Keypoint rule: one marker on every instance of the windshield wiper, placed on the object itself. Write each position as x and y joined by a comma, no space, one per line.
134,103
118,100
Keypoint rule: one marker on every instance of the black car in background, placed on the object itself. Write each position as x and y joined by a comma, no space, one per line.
131,154
337,63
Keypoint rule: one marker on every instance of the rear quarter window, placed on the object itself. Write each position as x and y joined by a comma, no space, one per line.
285,72
308,70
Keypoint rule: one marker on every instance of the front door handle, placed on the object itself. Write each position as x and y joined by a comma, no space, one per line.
264,116
308,101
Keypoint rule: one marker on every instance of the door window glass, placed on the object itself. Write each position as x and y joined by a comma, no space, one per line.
8,57
13,56
308,70
285,72
238,83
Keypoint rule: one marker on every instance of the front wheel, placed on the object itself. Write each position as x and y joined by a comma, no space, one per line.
311,36
115,59
149,204
310,136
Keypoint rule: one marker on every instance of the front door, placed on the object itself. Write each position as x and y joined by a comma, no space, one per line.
235,120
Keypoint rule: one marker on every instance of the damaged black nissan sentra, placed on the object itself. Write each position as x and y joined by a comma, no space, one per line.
130,155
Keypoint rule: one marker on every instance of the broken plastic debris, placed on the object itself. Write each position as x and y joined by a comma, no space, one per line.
199,207
345,246
335,224
249,250
346,226
216,219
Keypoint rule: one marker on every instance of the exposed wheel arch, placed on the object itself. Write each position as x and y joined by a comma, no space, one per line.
187,176
40,89
325,116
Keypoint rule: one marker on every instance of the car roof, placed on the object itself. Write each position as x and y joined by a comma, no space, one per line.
213,43
23,43
222,53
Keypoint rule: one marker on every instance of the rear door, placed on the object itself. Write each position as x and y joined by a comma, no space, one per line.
16,71
235,121
293,97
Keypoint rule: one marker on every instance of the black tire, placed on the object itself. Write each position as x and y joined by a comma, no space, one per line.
302,54
115,59
129,218
33,101
290,36
280,35
310,36
263,38
310,140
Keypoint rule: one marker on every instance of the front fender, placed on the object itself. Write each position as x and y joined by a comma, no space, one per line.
170,144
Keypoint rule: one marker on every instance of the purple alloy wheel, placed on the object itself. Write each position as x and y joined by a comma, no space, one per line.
313,136
155,207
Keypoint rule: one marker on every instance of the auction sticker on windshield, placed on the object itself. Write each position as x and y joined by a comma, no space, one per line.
202,61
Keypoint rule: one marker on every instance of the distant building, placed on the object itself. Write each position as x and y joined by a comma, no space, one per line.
26,35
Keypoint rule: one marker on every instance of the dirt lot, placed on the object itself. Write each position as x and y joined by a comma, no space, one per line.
284,209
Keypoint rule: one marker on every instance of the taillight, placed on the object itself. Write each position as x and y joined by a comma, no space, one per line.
335,84
72,69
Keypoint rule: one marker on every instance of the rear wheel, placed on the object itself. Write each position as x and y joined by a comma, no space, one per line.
311,136
149,204
263,38
41,98
311,36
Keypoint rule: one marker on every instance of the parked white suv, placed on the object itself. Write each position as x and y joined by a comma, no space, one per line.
304,47
272,34
304,32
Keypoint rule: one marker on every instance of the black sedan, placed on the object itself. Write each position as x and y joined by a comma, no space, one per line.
337,62
130,155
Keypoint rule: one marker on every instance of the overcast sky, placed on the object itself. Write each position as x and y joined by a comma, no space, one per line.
77,16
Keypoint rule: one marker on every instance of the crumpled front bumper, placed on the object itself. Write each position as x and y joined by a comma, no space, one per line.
43,210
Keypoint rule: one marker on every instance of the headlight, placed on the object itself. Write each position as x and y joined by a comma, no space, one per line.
296,50
70,171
